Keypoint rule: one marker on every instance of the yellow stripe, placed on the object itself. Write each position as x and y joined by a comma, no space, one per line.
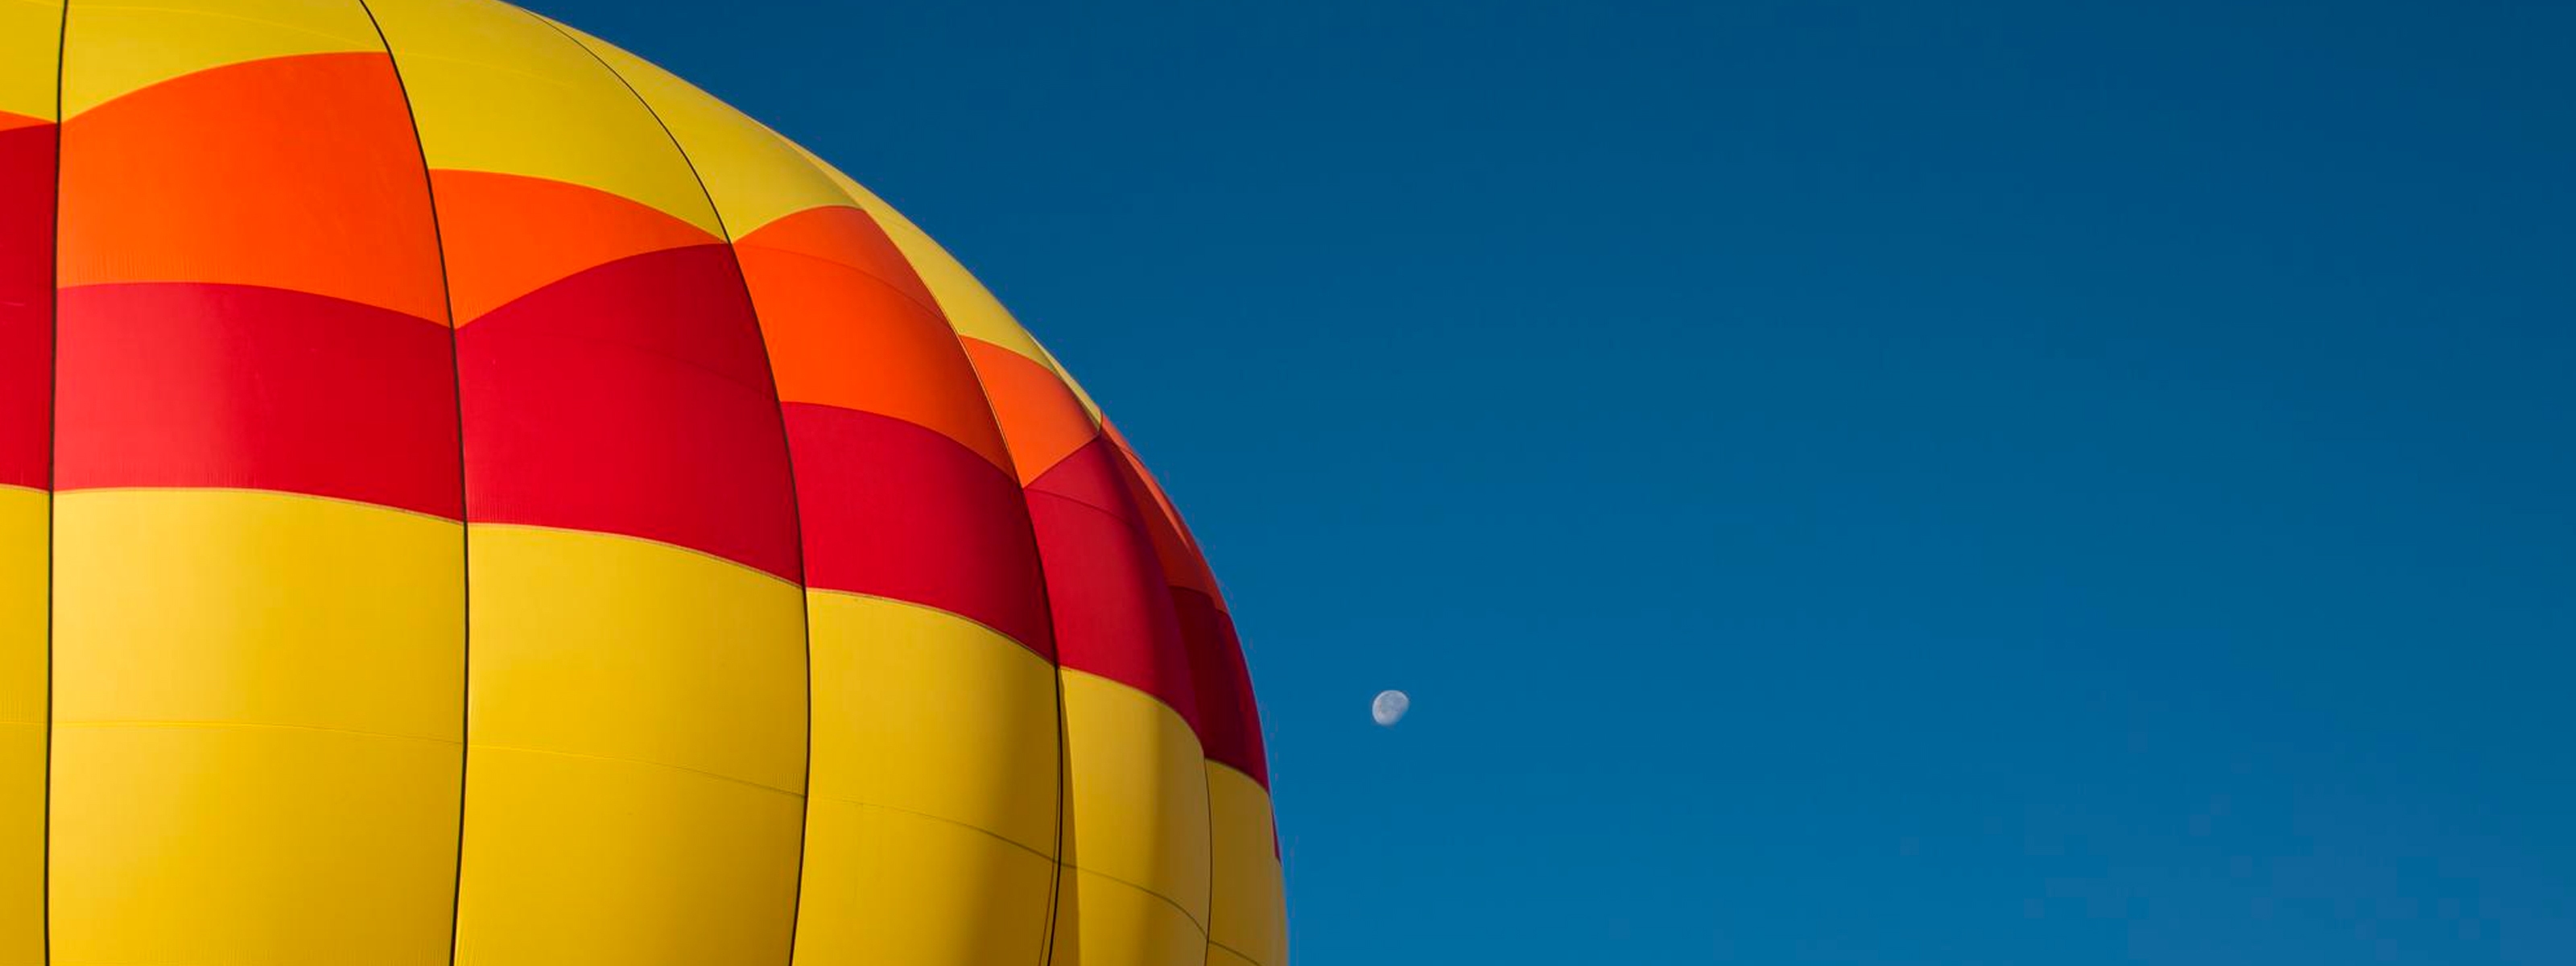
610,646
257,701
637,753
25,522
1101,921
884,886
927,712
931,839
754,176
571,861
256,847
494,88
256,607
30,36
24,527
1247,900
1138,811
119,48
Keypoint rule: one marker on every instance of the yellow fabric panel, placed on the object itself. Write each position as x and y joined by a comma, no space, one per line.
257,702
234,845
1221,956
254,607
1247,900
923,711
30,32
754,176
610,646
22,843
885,887
119,48
971,308
1137,787
24,521
924,843
578,861
495,88
635,770
1101,921
24,516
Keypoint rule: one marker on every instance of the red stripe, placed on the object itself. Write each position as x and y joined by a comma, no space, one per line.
632,398
901,511
26,304
194,384
1229,722
1113,613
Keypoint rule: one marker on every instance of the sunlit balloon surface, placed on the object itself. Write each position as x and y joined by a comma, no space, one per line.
468,496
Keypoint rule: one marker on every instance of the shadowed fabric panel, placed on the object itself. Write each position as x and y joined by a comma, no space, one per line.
26,301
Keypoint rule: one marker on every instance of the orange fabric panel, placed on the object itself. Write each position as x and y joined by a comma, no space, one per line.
839,335
849,236
1040,417
508,235
316,191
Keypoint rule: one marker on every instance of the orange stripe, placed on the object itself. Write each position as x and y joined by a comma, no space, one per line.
842,336
508,235
314,187
849,236
1040,417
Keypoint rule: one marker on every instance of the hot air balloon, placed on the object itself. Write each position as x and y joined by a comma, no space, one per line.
468,496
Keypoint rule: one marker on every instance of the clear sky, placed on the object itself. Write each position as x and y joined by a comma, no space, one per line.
1844,482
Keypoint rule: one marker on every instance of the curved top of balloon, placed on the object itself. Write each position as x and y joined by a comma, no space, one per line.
468,495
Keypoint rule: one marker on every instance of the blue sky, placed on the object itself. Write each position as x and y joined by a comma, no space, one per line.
1844,482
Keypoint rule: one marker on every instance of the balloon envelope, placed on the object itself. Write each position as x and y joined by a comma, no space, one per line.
468,495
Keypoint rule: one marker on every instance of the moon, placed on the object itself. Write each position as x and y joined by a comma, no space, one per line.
1390,707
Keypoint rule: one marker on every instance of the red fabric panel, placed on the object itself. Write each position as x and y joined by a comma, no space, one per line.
1093,477
1229,722
632,398
204,385
897,510
26,304
1113,613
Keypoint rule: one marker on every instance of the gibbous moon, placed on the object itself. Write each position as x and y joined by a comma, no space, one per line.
1390,707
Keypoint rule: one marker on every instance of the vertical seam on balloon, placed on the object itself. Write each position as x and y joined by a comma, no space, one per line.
1132,466
53,436
1055,660
464,528
787,454
1055,644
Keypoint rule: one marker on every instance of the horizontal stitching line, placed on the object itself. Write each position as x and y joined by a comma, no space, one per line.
139,723
880,806
472,745
1167,900
1247,957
